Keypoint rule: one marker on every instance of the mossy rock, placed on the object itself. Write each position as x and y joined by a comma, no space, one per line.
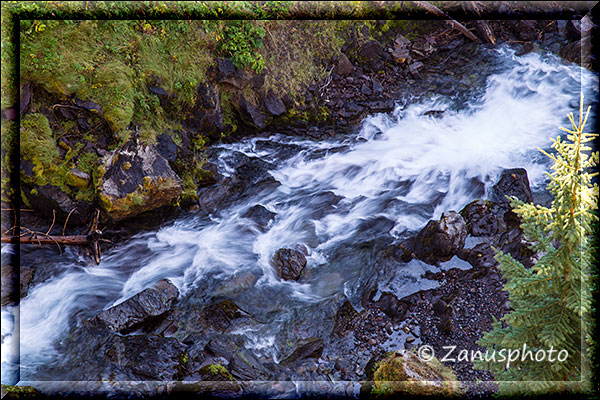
135,179
403,373
77,178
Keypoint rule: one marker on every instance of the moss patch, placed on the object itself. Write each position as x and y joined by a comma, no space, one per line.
216,371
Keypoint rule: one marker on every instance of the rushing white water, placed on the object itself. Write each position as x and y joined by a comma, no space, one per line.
405,168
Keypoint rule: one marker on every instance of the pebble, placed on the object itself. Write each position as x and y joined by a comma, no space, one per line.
410,339
372,342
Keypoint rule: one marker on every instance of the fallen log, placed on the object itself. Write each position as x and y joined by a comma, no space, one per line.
482,27
36,239
92,239
436,11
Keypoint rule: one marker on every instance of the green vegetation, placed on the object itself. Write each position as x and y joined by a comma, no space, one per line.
217,372
551,302
10,392
403,373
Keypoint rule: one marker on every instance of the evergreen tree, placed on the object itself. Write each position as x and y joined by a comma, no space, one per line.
551,301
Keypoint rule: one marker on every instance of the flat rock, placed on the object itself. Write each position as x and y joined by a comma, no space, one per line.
140,309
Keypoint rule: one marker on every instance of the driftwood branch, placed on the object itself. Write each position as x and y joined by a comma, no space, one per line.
91,240
436,11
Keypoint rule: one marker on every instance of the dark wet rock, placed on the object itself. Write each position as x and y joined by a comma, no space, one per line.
219,315
137,179
11,276
313,348
166,147
260,215
352,110
484,218
440,308
250,114
344,66
25,99
392,307
440,240
228,73
366,89
480,256
243,364
143,308
446,326
88,105
273,104
251,175
240,281
512,182
377,87
345,320
434,113
288,263
205,116
49,197
377,106
513,242
371,54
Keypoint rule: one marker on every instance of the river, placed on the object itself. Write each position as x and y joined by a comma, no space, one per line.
341,200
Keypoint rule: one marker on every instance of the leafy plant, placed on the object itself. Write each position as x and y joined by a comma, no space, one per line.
551,302
239,41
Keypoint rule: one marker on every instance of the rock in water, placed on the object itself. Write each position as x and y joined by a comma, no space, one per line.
143,308
288,263
440,240
313,348
513,182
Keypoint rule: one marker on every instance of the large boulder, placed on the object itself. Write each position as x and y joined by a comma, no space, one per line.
288,263
440,240
143,308
135,179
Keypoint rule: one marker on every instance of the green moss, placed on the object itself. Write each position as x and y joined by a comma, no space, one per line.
216,370
37,142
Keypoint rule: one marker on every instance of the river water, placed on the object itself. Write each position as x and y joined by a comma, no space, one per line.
342,200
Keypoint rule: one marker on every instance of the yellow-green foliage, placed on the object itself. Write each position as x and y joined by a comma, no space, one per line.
37,143
10,392
404,373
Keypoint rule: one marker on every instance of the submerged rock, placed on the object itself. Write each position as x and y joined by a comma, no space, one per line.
313,348
288,263
136,179
440,240
143,308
